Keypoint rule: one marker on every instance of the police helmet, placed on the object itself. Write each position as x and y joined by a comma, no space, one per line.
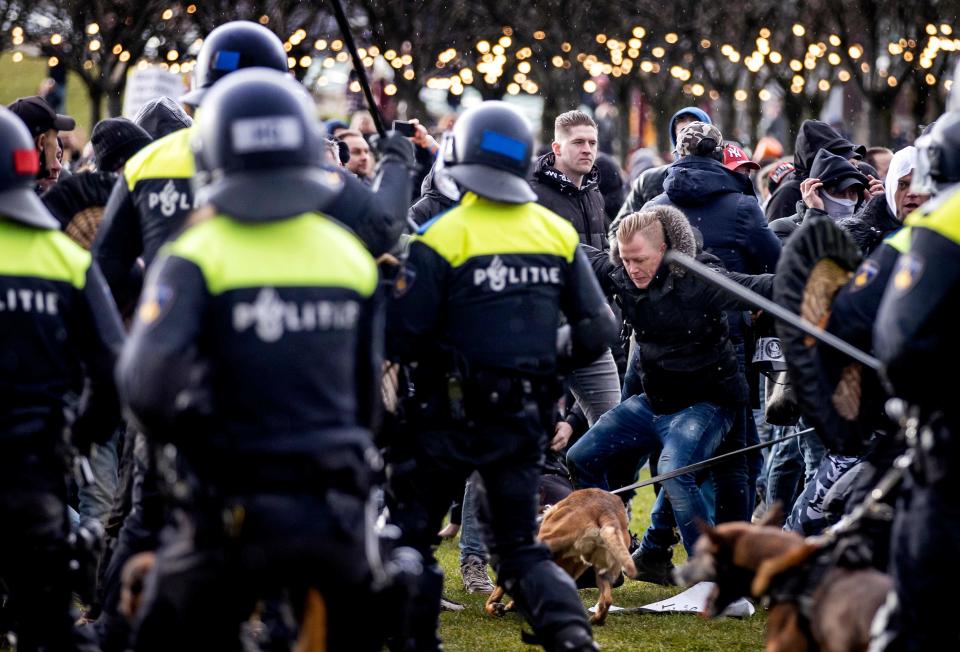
19,164
938,156
256,147
489,153
232,46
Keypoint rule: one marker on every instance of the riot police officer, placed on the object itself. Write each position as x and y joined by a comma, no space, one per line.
475,313
153,196
59,331
256,353
915,336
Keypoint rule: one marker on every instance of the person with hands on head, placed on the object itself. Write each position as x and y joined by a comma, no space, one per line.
834,187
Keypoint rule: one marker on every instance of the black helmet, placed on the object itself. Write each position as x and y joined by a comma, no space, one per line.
938,156
232,46
489,153
19,164
257,145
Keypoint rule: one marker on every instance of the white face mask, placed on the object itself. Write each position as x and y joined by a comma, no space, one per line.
836,207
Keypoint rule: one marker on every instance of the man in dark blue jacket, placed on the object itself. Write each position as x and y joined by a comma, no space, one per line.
719,203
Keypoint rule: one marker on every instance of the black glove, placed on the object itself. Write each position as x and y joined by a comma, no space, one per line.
398,146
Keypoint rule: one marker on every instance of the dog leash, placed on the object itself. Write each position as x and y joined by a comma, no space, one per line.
691,468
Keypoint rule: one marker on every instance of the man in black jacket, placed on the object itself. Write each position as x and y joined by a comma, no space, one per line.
692,382
566,179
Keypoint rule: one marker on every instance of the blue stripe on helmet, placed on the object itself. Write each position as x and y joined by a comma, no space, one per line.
504,145
226,60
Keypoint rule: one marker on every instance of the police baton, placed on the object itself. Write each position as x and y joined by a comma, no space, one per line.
749,296
358,65
699,466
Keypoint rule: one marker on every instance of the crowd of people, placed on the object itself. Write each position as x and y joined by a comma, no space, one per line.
253,361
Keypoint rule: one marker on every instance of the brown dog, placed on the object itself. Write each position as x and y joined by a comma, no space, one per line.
587,528
763,561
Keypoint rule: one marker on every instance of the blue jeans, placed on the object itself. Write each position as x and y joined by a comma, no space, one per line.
631,378
471,533
784,469
630,431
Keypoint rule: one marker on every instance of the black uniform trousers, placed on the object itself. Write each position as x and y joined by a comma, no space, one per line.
217,560
925,544
34,553
430,469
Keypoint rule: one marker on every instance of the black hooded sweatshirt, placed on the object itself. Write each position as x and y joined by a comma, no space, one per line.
830,169
814,136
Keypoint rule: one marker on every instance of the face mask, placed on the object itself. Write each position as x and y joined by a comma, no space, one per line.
837,208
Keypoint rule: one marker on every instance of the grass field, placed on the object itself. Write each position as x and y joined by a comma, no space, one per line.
471,630
23,78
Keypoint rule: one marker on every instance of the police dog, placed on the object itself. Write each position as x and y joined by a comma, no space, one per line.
587,528
762,561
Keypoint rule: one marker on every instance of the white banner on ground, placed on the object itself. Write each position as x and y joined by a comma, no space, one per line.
693,600
145,84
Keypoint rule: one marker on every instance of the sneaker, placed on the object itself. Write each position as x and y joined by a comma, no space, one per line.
651,568
475,578
446,604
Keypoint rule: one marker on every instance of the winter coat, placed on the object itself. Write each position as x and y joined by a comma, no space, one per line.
431,203
871,224
647,186
77,202
814,136
721,205
583,207
680,325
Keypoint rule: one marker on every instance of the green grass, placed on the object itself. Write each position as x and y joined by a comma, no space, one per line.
23,79
471,630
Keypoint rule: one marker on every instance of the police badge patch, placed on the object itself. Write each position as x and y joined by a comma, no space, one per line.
154,301
404,281
909,269
865,275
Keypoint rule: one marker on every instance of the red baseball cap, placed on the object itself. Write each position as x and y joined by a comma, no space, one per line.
735,158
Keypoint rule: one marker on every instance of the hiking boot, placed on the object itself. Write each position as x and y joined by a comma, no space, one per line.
653,568
475,578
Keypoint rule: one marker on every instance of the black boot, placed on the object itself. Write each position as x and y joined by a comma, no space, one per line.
654,567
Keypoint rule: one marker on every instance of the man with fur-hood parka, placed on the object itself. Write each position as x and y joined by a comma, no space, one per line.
688,366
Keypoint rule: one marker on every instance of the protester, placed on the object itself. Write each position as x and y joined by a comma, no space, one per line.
886,213
650,184
44,125
692,383
812,137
